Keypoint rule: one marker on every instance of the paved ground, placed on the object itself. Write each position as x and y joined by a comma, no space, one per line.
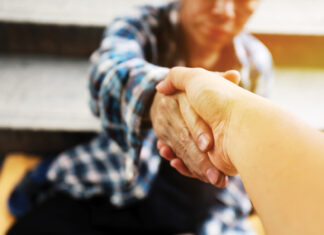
273,16
50,93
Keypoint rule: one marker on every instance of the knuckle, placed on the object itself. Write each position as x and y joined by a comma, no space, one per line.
161,135
159,123
179,149
202,163
197,129
198,71
164,102
167,102
159,130
160,120
184,135
174,70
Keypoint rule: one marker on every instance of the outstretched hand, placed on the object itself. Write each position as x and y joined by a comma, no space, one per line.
180,78
204,90
177,126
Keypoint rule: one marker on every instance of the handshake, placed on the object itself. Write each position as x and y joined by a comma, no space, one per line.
191,115
280,158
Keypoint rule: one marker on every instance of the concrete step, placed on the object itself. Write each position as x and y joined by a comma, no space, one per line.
74,27
45,93
50,93
272,17
44,104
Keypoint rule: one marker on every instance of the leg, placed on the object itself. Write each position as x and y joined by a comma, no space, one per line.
59,215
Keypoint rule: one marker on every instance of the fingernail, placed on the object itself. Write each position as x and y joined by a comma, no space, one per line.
172,162
222,181
203,141
225,181
212,175
159,85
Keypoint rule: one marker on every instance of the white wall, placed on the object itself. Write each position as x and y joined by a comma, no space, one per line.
289,16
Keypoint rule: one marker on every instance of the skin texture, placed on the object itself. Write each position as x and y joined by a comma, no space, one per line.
208,98
206,36
279,157
172,130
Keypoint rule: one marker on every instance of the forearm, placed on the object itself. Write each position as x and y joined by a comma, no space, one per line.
280,160
122,80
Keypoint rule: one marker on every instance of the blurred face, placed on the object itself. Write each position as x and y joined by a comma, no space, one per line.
213,23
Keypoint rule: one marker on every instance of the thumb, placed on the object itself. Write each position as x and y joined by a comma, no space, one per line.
176,79
165,87
232,76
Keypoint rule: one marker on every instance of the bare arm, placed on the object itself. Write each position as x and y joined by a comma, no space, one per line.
281,164
280,159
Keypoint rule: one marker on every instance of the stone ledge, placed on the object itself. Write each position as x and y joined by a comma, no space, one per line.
50,94
273,16
77,41
45,93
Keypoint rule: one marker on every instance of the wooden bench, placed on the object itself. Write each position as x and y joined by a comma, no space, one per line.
14,167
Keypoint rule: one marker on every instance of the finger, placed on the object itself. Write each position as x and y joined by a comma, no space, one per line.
159,144
176,79
199,130
167,153
233,76
216,178
224,182
177,163
183,145
198,163
166,87
195,161
181,168
180,77
211,173
223,163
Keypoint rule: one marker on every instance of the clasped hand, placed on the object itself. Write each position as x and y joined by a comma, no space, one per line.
179,128
182,119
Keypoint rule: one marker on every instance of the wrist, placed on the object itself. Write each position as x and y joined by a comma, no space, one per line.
239,122
251,118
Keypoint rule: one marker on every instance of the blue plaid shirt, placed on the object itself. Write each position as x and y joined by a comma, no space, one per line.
135,53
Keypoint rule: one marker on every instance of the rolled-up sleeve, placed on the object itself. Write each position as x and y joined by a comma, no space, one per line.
122,81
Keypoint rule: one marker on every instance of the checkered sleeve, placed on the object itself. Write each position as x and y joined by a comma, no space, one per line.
257,66
122,81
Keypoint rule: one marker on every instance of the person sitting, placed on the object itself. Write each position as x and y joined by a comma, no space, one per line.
118,183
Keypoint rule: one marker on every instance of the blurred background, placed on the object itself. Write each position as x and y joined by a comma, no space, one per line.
46,42
44,51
